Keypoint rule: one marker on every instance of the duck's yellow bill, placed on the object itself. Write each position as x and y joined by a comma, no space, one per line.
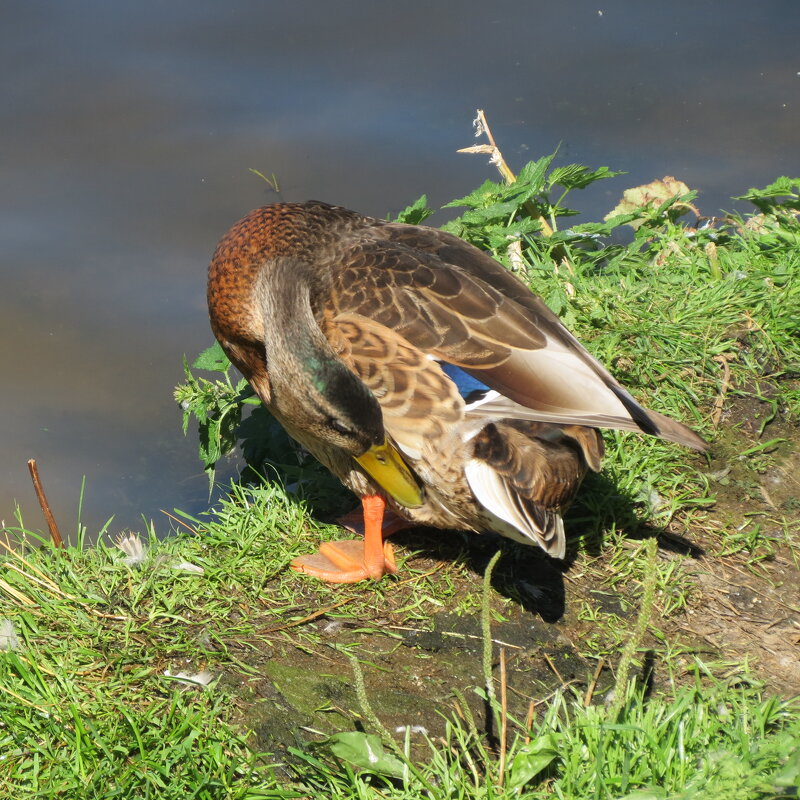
386,467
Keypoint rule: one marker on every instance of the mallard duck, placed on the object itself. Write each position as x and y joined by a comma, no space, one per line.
422,373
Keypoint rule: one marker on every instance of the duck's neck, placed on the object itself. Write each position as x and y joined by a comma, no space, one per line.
290,296
313,393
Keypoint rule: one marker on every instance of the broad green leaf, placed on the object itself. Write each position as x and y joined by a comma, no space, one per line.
496,211
575,176
605,228
531,759
556,301
784,192
366,751
780,187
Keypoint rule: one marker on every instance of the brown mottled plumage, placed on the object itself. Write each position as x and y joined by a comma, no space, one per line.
342,324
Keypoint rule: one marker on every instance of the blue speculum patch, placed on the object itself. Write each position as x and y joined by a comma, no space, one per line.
469,388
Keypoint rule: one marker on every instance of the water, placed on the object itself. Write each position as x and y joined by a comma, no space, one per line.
128,130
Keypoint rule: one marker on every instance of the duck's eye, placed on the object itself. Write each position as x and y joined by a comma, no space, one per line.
340,427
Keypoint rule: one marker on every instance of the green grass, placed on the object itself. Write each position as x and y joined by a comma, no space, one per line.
87,711
618,700
705,743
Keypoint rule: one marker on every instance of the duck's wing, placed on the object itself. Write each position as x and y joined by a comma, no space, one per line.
419,402
455,303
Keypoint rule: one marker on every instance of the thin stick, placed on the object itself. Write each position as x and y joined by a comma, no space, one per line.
549,697
16,555
553,667
719,401
503,718
529,721
56,590
48,514
590,691
180,522
17,595
482,127
50,585
321,612
45,584
21,699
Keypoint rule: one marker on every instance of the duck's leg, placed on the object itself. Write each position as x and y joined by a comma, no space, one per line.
353,560
392,523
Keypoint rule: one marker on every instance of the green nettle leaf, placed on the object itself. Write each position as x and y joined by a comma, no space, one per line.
480,198
499,237
416,213
556,301
199,409
213,359
607,227
532,175
784,192
575,176
532,758
210,450
366,751
496,211
780,186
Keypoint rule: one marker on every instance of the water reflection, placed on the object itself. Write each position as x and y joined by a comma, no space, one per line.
128,130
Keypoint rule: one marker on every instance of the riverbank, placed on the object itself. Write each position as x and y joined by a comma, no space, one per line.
201,667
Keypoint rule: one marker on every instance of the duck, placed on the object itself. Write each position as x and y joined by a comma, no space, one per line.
422,373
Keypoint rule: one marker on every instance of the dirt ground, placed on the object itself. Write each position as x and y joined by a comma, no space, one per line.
561,624
750,607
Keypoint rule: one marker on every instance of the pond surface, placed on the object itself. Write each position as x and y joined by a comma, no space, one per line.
129,131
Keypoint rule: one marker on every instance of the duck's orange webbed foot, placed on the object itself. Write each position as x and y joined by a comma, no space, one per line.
353,560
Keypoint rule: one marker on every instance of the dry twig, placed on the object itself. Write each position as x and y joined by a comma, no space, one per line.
503,717
553,667
496,157
48,514
719,400
590,691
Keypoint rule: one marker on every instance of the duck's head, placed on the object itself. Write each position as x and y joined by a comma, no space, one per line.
335,405
329,402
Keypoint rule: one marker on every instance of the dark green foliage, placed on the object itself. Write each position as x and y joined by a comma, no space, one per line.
416,213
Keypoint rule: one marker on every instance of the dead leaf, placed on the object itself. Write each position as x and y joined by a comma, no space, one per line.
651,194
